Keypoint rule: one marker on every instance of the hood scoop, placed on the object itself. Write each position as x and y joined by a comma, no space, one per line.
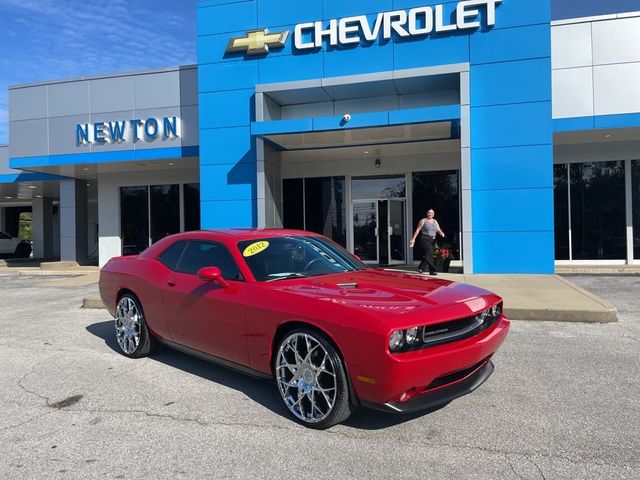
348,286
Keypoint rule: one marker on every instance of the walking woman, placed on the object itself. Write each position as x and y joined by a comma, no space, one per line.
428,228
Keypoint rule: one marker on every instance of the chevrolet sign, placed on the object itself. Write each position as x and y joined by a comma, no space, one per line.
416,22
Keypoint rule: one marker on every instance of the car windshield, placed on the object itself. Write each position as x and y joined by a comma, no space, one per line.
277,258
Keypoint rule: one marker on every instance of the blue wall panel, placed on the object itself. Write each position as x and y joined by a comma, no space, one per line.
227,214
511,82
227,76
344,8
226,109
228,182
512,210
229,17
358,59
511,125
226,146
514,252
501,45
512,167
275,13
431,51
290,68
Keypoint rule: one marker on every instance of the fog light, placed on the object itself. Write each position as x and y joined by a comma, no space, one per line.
412,335
396,340
408,394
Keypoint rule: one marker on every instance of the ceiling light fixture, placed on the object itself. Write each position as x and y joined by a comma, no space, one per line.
608,135
32,187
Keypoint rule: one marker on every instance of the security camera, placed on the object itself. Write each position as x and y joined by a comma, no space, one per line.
346,117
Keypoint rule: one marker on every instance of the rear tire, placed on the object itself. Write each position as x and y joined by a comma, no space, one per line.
312,379
132,334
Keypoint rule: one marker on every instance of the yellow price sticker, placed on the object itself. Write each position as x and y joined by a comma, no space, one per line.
255,248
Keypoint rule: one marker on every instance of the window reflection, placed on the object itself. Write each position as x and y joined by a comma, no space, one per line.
373,188
598,211
325,210
635,205
134,218
191,207
165,211
561,211
438,191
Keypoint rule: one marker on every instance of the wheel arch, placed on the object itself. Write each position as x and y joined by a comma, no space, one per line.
291,325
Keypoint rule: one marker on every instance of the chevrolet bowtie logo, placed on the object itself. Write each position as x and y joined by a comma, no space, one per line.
257,42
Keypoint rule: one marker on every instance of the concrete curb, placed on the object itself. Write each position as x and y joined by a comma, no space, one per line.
94,303
549,315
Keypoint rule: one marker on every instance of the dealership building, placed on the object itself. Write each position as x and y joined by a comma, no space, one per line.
517,121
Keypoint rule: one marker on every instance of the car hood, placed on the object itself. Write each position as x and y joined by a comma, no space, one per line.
389,295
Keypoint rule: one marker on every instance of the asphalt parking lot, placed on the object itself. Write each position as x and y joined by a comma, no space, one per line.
562,403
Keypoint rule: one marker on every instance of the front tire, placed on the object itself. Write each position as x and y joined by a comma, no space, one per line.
312,379
132,334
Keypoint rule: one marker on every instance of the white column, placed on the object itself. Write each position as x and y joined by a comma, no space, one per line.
109,242
42,227
73,220
465,172
629,209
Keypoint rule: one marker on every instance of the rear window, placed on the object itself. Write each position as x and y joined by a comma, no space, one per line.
200,254
171,256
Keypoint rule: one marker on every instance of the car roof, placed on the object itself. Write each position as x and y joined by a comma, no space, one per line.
246,233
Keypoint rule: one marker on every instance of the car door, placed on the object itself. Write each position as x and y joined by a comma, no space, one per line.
204,315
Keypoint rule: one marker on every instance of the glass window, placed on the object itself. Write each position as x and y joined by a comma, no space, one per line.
171,255
134,217
635,193
438,191
561,211
191,207
165,211
199,254
293,203
598,229
325,210
289,257
373,188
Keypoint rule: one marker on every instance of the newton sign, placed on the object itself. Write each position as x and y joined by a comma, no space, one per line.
100,133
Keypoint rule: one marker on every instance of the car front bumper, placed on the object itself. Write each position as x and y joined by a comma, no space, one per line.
431,377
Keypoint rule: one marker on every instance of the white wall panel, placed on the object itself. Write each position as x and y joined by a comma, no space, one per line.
616,41
571,45
573,92
617,89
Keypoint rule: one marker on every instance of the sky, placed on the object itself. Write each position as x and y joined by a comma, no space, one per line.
55,39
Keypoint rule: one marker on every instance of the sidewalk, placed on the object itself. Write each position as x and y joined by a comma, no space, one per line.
542,297
526,297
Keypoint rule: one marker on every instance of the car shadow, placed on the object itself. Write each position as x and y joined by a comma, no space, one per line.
261,391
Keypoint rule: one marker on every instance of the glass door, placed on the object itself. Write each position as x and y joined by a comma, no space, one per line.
365,230
396,231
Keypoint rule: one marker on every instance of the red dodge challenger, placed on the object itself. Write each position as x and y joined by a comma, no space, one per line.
296,307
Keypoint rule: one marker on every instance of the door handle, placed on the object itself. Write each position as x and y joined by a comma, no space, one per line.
171,282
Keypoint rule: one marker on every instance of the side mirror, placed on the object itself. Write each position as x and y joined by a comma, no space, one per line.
212,274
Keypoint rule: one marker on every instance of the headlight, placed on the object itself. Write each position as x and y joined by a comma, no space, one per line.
411,335
482,315
396,340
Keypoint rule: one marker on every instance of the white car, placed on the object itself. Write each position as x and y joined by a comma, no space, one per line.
13,246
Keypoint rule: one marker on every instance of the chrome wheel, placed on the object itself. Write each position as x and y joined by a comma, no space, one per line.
306,376
128,325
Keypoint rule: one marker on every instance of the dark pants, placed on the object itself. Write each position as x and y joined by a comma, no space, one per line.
427,244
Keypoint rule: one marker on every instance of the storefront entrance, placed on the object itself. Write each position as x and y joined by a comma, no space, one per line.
379,231
378,213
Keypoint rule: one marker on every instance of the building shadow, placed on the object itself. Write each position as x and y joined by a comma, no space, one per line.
261,391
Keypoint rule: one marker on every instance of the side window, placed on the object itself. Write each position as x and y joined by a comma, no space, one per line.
171,255
207,254
4,236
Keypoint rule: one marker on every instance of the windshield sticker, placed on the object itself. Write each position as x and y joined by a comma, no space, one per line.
255,248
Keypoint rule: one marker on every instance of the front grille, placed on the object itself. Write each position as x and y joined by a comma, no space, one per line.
455,330
454,377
